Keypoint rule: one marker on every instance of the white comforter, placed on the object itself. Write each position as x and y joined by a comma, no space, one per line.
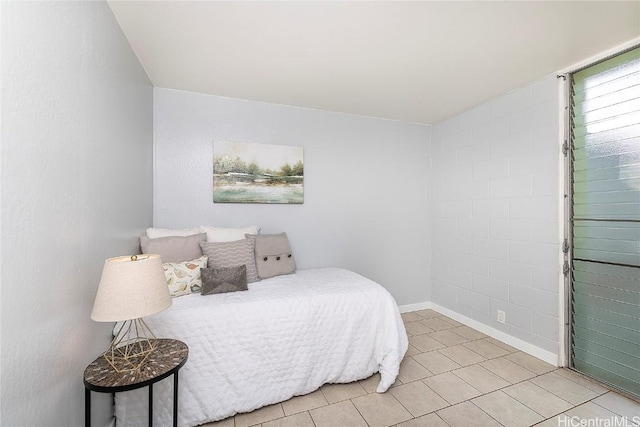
286,336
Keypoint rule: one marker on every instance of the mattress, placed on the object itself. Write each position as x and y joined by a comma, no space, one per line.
285,336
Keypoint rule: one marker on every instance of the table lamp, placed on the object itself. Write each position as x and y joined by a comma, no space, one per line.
131,287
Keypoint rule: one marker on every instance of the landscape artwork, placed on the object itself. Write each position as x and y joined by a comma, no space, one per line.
245,172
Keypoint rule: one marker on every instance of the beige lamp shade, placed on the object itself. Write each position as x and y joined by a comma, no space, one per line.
131,287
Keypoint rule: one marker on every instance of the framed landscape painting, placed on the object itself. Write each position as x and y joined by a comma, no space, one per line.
245,172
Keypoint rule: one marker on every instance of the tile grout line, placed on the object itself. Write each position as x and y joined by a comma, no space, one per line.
360,413
485,412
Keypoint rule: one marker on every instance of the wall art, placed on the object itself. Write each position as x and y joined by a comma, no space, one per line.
245,172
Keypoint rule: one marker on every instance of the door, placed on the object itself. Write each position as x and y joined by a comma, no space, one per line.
604,221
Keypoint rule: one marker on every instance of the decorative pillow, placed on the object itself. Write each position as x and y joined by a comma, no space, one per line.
273,255
154,233
224,234
174,248
221,280
232,254
184,277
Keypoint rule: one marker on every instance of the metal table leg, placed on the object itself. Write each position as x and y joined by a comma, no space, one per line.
150,405
175,399
87,407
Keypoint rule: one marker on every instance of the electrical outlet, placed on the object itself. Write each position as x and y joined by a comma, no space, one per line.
502,317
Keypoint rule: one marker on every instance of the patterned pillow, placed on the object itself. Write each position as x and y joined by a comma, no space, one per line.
184,277
221,280
232,254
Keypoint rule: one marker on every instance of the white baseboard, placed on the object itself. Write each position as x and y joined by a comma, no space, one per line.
415,307
528,348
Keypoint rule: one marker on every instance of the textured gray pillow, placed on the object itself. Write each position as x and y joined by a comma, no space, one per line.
221,280
273,255
174,248
232,254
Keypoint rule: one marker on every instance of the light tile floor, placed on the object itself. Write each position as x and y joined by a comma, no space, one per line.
453,375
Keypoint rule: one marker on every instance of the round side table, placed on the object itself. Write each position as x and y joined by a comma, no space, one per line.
167,358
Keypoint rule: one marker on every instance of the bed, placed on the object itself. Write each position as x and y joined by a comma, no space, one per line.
286,336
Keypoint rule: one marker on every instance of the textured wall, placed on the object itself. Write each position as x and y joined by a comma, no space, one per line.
76,189
365,183
496,213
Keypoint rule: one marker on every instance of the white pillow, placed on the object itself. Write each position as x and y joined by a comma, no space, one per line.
224,234
154,233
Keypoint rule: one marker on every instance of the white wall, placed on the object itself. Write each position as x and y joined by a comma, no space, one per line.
366,186
496,213
76,189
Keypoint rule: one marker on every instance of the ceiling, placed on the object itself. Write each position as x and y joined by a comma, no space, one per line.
410,61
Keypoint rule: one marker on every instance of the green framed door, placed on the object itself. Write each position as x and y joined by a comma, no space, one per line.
604,144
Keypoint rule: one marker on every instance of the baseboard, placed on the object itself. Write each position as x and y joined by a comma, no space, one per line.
528,348
415,307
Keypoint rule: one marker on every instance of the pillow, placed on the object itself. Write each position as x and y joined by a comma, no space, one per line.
154,233
184,277
224,234
174,248
273,255
221,280
232,254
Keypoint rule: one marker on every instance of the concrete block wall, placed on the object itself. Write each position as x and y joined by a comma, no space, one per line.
496,213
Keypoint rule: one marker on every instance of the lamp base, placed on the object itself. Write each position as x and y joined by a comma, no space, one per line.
131,347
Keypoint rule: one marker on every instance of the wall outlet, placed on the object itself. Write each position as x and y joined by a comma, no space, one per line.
501,317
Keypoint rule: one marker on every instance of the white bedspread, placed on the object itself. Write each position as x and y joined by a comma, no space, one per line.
286,336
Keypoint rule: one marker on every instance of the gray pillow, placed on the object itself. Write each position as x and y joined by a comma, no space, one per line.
174,248
273,255
232,254
221,280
